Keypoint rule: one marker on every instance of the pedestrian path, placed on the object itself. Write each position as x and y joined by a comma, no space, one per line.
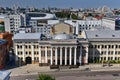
35,69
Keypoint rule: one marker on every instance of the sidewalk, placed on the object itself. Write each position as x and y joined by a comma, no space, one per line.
32,69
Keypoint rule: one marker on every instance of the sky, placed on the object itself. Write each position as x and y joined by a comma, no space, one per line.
61,3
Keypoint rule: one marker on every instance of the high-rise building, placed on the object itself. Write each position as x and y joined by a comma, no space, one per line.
13,22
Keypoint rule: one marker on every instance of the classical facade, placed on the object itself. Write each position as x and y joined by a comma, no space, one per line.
62,47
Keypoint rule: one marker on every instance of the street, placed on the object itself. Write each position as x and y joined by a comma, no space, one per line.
75,75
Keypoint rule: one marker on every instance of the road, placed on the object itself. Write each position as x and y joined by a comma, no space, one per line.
75,75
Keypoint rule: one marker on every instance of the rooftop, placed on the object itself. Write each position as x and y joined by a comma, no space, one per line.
27,36
63,36
2,41
105,34
4,75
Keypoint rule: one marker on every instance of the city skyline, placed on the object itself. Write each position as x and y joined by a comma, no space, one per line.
60,3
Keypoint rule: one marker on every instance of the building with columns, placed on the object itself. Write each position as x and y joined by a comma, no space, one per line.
62,47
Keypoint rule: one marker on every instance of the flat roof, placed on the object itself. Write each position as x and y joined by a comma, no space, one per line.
102,34
4,75
2,41
27,36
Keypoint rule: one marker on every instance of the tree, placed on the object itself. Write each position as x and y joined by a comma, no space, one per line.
45,77
62,14
73,16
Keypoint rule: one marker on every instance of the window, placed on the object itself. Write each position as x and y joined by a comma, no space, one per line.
29,47
18,53
108,52
21,52
26,46
101,52
113,35
112,46
105,46
29,53
96,35
17,46
35,52
119,52
21,46
115,52
111,52
115,58
26,53
102,46
98,46
95,46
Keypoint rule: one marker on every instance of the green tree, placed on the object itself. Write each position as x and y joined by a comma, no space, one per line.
45,77
62,15
73,16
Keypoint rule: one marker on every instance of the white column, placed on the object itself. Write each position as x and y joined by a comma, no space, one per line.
114,53
93,53
80,58
23,49
75,55
107,53
40,54
70,56
46,54
16,52
32,53
56,56
65,55
86,61
51,56
100,51
60,55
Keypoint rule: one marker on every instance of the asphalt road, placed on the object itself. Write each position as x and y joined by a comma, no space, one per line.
75,75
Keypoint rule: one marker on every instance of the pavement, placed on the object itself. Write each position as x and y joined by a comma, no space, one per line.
33,69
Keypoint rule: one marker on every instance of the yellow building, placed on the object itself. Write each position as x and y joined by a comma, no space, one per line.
65,48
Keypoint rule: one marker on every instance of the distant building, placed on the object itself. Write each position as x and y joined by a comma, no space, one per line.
13,22
34,19
25,29
108,22
79,25
2,22
39,21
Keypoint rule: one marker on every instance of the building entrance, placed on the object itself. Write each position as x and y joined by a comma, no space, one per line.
28,60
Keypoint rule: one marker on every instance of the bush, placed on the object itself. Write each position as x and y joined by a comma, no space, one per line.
112,61
45,77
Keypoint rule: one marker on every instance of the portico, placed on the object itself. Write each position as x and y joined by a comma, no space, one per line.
59,55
